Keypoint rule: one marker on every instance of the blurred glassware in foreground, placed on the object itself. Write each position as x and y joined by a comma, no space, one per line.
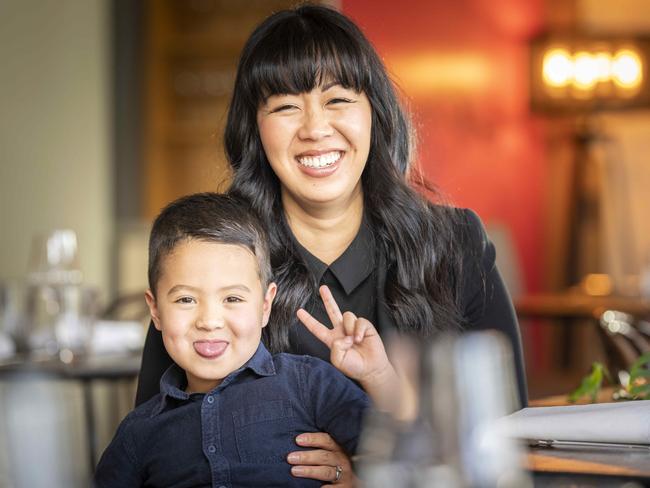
10,315
465,384
59,309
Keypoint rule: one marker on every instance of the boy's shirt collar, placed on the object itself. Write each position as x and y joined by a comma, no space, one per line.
174,380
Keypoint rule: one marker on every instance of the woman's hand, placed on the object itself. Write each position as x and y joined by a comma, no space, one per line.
358,352
355,346
322,462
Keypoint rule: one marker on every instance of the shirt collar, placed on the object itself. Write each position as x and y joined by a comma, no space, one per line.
174,381
351,267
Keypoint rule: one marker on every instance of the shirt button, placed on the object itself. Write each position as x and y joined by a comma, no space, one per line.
212,449
210,399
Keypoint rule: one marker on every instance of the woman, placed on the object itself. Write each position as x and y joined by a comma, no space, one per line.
321,149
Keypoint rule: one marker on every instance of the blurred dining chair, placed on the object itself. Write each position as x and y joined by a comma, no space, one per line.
131,306
625,338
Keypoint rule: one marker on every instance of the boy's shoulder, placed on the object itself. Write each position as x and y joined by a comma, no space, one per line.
142,412
286,358
304,362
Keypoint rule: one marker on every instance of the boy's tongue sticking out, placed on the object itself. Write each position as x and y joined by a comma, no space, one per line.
210,349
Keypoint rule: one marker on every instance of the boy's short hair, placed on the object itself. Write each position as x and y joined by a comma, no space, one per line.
211,217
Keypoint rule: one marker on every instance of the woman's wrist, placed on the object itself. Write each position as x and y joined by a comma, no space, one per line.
391,393
381,386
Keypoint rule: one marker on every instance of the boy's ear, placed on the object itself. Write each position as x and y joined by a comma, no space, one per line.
268,302
153,308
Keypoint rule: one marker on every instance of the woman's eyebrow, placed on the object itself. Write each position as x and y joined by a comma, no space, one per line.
329,85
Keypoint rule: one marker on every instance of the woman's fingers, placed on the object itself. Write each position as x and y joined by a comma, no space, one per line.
317,457
362,327
318,440
321,331
321,462
347,328
349,321
322,473
339,349
331,307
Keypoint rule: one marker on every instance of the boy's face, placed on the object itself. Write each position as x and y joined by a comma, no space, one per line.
210,308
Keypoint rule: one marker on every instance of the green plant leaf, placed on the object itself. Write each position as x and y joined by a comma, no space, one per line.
640,390
590,385
641,373
637,369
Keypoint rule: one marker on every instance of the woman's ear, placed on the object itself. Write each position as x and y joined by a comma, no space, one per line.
153,308
268,303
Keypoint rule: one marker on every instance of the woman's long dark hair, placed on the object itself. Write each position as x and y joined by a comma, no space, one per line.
294,51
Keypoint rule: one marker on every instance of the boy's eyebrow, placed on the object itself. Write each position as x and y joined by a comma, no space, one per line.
176,288
235,287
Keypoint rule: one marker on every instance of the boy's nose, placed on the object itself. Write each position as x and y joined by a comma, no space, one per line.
210,318
209,323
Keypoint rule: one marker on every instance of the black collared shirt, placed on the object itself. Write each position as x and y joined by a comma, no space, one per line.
238,434
352,279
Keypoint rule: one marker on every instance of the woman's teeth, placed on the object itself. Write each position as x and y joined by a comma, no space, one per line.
320,161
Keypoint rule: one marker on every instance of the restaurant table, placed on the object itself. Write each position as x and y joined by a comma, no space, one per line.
85,370
587,466
622,462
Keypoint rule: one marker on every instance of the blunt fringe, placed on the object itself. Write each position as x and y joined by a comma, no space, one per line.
294,51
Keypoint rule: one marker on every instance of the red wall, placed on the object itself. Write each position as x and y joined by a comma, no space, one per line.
463,67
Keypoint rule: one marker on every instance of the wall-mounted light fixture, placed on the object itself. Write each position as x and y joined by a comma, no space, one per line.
581,73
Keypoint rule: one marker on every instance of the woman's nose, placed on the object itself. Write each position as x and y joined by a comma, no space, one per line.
315,125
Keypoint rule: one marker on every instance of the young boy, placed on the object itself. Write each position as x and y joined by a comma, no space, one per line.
228,411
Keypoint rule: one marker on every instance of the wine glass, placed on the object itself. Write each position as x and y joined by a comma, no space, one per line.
55,303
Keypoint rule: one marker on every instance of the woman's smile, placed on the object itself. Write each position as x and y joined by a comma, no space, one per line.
320,165
319,159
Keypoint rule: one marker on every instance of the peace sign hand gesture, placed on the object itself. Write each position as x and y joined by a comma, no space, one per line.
355,346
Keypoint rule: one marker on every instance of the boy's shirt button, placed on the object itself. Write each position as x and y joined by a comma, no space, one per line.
212,449
210,399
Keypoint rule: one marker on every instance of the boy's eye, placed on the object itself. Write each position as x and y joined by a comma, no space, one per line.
185,300
233,299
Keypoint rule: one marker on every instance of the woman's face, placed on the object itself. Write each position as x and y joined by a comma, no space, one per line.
317,143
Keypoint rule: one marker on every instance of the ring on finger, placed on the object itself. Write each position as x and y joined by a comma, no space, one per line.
339,472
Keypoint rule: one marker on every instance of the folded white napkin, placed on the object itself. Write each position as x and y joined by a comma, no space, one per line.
624,422
112,337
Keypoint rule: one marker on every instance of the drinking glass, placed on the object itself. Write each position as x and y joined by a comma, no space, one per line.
56,299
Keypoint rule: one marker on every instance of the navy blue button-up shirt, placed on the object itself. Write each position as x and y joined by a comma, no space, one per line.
238,434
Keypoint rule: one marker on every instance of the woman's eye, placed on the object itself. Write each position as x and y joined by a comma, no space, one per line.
185,300
283,108
340,100
233,300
